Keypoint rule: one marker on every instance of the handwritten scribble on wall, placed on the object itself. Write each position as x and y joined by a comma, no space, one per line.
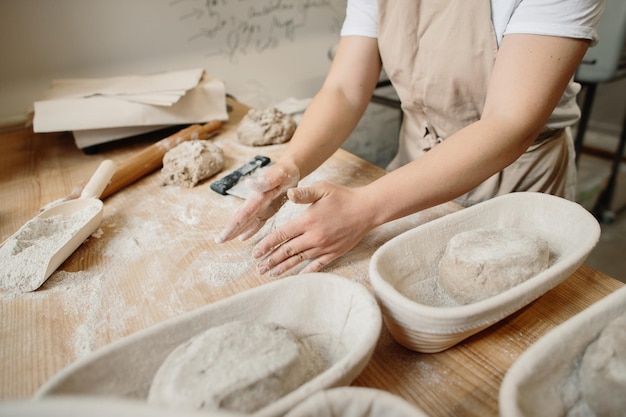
232,28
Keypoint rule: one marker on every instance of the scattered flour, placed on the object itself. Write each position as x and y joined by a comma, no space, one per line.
135,235
25,255
101,309
216,269
103,306
82,295
428,292
79,295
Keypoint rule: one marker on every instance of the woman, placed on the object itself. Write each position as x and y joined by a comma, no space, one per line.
487,93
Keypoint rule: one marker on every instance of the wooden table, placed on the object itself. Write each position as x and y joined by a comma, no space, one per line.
154,257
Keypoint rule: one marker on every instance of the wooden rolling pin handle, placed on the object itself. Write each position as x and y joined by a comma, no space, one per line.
151,158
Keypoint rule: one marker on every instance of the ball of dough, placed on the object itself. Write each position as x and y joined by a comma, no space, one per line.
481,263
190,162
265,127
602,372
238,366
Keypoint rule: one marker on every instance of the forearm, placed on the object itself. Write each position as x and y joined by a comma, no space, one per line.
326,124
338,106
449,170
529,77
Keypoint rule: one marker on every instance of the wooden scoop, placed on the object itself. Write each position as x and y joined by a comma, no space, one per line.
39,247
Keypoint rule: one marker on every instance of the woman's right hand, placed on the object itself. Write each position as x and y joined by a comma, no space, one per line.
270,193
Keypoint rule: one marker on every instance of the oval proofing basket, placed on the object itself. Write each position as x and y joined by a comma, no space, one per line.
536,385
66,406
338,317
412,257
355,402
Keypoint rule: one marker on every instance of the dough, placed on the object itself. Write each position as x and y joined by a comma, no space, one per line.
481,263
238,366
602,372
265,127
190,162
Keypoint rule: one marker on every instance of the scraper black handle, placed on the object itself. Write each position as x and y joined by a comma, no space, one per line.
226,183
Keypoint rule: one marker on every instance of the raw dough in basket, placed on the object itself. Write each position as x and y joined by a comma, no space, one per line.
238,366
191,162
480,263
602,371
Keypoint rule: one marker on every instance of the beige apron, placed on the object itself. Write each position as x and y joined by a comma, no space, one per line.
439,55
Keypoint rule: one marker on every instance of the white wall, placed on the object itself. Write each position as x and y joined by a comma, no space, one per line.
265,50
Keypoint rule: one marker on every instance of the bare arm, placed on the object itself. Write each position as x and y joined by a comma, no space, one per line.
329,120
530,75
338,106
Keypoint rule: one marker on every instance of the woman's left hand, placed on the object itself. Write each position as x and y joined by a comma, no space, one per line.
332,225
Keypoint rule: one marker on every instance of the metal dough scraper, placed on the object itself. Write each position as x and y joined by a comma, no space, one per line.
231,184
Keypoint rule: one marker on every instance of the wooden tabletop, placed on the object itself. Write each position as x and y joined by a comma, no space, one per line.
153,257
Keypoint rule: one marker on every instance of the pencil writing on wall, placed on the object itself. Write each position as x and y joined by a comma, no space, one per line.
232,28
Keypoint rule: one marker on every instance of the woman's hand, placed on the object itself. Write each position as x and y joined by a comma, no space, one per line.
334,223
269,195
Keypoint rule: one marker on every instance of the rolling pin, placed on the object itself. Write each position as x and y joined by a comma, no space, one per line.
148,160
151,158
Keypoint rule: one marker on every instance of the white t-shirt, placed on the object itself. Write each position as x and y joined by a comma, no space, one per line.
568,18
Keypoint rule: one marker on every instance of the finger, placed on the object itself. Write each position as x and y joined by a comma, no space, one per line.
317,264
285,265
261,184
273,241
246,218
260,220
274,177
292,249
233,229
305,195
252,215
252,229
284,258
244,230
